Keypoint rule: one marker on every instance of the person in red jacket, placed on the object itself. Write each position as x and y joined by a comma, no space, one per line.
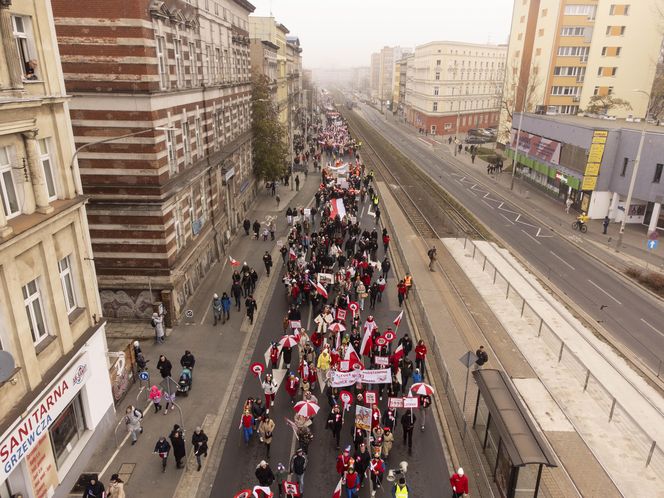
343,461
459,483
274,355
420,357
402,290
292,385
377,469
352,482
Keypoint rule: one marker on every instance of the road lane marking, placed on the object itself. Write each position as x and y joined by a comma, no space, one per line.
533,238
658,331
539,230
605,292
501,214
561,259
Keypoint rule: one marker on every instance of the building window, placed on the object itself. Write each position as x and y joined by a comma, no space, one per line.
193,66
64,266
581,10
162,63
607,71
437,76
523,19
220,65
435,106
658,173
197,132
519,36
615,30
538,51
179,68
170,149
35,311
565,90
7,185
572,31
47,165
177,221
437,62
540,32
623,172
186,142
209,63
545,12
573,51
436,90
66,430
619,10
611,51
220,127
25,44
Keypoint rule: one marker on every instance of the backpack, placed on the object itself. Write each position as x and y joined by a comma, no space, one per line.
153,323
138,412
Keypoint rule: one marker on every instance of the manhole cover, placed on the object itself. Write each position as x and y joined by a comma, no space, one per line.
125,471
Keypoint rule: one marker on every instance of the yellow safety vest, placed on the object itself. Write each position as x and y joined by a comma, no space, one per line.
407,281
401,492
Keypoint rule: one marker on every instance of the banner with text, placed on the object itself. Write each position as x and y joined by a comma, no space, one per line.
536,146
344,379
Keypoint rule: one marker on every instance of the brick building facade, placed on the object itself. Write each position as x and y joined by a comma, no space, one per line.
165,201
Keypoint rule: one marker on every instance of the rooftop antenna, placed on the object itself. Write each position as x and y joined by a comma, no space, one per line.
271,8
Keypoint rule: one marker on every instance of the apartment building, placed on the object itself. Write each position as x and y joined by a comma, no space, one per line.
56,404
263,54
165,200
454,86
383,73
563,52
374,71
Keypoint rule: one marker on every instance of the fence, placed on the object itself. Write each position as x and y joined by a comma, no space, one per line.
638,437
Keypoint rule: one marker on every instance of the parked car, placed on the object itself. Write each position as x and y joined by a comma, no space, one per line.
477,140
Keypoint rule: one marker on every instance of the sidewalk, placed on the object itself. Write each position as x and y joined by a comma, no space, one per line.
218,350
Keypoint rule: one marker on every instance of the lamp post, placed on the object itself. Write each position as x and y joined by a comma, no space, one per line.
518,130
632,180
106,140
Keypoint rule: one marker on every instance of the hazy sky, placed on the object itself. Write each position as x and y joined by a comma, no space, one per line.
343,33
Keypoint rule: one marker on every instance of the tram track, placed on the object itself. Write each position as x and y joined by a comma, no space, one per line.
415,191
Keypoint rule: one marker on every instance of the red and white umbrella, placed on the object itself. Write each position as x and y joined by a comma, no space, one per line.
336,327
306,408
421,389
289,341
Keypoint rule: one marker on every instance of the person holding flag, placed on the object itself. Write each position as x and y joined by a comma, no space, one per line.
377,469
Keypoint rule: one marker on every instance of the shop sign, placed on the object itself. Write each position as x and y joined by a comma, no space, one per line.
41,468
24,435
589,183
562,177
229,174
594,162
536,146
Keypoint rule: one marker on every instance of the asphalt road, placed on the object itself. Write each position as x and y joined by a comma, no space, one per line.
239,461
632,316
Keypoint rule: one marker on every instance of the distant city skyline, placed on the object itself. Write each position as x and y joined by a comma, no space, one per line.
354,29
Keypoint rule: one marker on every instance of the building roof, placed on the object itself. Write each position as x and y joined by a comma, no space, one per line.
502,46
592,123
524,443
282,28
245,5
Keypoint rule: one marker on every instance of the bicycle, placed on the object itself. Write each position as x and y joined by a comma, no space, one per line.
581,227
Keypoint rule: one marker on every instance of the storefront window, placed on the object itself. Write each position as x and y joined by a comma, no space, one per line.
67,430
4,490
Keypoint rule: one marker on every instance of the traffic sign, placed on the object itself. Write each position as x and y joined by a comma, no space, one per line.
468,359
652,244
144,376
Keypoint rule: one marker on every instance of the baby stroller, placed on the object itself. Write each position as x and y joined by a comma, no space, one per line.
184,383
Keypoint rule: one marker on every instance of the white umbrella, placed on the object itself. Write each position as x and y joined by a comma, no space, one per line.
421,389
306,409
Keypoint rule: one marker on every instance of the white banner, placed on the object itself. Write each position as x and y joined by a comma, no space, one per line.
343,379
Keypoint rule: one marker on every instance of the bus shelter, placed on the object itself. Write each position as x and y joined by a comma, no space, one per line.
514,448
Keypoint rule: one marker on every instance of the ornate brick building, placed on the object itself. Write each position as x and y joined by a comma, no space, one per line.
164,202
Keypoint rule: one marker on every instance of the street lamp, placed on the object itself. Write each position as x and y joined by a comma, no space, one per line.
105,140
518,130
632,181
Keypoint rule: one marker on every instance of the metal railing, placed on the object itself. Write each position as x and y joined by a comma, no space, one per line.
638,436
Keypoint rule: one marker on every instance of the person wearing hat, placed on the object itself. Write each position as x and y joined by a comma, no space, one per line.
216,308
362,458
199,439
400,489
298,465
177,442
247,425
116,488
376,471
388,441
459,483
157,323
269,389
265,429
162,448
352,479
335,423
282,476
292,386
343,461
94,489
265,476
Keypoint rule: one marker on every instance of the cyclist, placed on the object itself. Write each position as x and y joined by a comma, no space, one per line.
583,218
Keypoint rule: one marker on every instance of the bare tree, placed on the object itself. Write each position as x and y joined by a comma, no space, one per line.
512,92
602,104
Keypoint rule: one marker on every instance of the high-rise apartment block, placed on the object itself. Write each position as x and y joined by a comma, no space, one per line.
164,201
56,402
454,86
563,52
383,73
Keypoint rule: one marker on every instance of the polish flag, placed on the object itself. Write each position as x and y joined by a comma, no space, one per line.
291,254
398,353
234,262
337,490
352,357
397,320
320,288
337,208
365,348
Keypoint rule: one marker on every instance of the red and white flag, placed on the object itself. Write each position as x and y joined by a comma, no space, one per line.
337,208
337,490
291,254
367,343
399,352
234,262
352,357
320,288
397,320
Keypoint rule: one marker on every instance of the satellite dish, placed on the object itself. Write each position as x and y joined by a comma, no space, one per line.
7,366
